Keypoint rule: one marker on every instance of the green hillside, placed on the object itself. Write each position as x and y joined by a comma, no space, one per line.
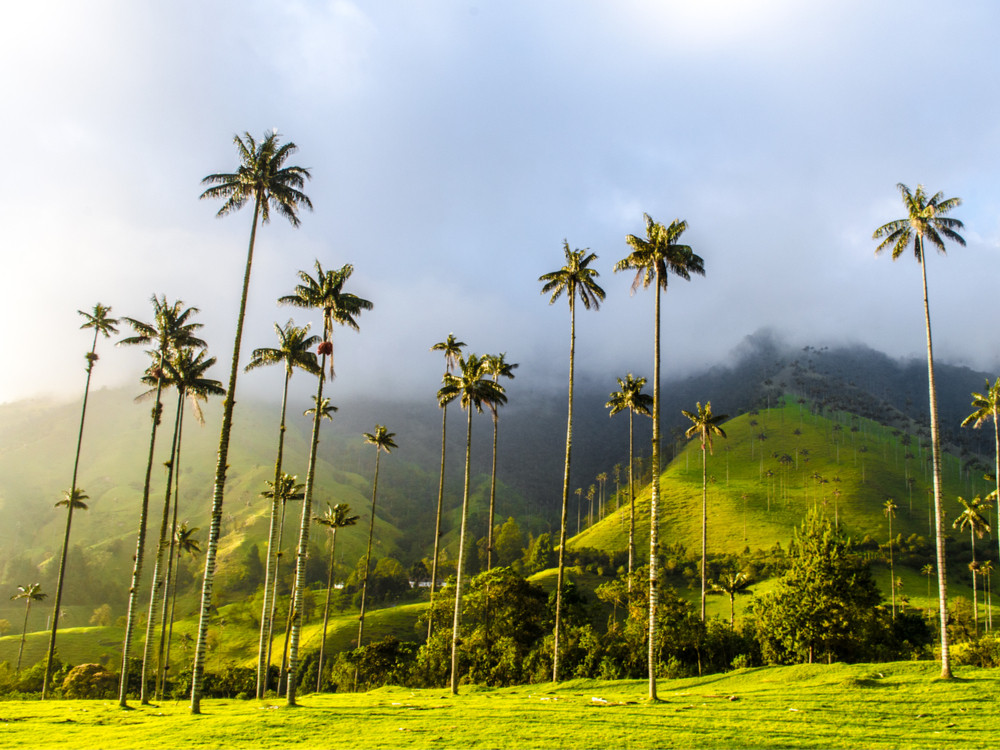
774,466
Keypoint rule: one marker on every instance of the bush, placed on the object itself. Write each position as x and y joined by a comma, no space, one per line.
90,681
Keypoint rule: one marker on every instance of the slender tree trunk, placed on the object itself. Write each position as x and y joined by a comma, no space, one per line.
24,632
975,589
368,560
326,607
303,549
704,523
493,495
437,524
936,465
140,546
218,492
270,571
631,503
163,657
456,621
892,572
996,437
274,596
565,493
157,582
654,500
69,523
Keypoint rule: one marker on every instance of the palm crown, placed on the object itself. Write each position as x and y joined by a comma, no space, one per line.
336,516
263,177
382,439
293,350
705,424
452,349
170,330
925,220
74,498
986,405
574,278
630,397
472,386
660,254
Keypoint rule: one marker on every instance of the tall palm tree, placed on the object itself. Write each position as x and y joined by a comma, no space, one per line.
264,178
184,543
474,389
705,426
889,509
171,330
630,397
293,350
102,323
334,517
926,222
975,518
452,349
382,439
285,489
654,259
498,367
576,279
987,406
732,585
324,292
30,593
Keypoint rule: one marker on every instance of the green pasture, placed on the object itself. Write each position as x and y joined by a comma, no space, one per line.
895,705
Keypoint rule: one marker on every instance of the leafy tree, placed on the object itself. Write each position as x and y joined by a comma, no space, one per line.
705,425
824,603
382,439
30,593
974,517
987,406
293,351
335,517
474,390
498,367
630,397
323,292
452,349
654,259
926,222
170,331
576,279
264,178
103,324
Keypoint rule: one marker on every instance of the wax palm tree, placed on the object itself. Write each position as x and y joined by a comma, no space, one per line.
705,426
281,492
184,542
325,292
103,324
293,351
975,518
30,593
654,259
987,406
602,480
171,330
452,349
630,397
576,279
889,509
474,389
335,517
498,367
264,178
732,585
926,222
928,571
382,439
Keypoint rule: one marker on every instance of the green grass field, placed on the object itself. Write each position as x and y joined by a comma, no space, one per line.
837,706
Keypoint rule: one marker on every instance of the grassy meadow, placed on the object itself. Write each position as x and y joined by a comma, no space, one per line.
891,705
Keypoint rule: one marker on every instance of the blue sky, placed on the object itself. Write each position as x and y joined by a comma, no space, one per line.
453,147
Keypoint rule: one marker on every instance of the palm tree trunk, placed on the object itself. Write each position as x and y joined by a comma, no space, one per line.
493,494
704,521
163,657
157,583
326,607
69,523
461,555
368,560
437,523
936,465
265,630
996,436
631,503
218,492
302,553
892,572
24,633
274,596
654,499
975,590
140,546
565,493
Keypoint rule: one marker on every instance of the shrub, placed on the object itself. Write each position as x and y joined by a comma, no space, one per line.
90,681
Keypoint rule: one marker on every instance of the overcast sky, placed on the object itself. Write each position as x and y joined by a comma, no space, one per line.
453,147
